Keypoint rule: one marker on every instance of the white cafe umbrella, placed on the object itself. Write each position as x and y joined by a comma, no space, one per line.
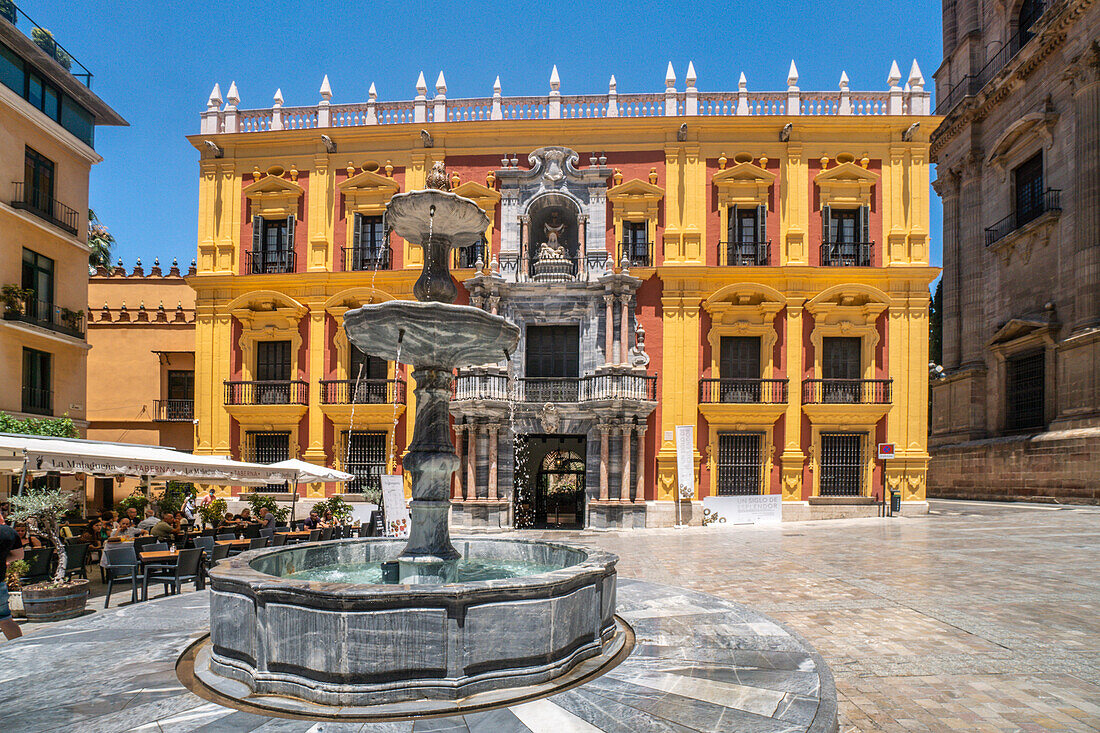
310,473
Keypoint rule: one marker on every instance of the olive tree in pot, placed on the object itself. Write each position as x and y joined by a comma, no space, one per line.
54,599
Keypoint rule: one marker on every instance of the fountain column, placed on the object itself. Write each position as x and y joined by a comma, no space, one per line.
493,433
624,334
604,430
609,337
471,464
460,431
624,486
639,487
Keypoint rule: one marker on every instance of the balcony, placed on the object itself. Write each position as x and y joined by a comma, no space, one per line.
37,401
847,391
268,392
364,259
743,391
44,206
173,410
45,41
638,254
515,268
365,392
846,254
971,84
266,263
589,388
744,254
465,258
1050,202
47,315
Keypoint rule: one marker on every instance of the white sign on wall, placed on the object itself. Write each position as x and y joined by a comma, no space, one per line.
685,463
393,502
753,509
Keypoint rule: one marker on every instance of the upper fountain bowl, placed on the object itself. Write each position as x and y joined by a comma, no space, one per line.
457,219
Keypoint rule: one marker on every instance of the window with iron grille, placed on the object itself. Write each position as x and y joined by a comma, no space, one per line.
37,382
268,447
842,468
636,241
38,271
1024,391
365,458
739,464
369,243
1028,178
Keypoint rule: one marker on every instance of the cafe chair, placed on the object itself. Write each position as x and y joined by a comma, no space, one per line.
279,539
220,553
188,570
121,567
257,543
314,535
76,556
206,544
140,543
250,532
38,562
326,534
226,536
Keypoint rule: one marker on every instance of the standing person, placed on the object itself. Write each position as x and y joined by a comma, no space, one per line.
209,498
188,511
11,548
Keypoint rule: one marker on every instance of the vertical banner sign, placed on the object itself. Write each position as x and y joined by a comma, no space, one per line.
393,504
685,465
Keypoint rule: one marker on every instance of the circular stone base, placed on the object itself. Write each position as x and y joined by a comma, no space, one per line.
193,670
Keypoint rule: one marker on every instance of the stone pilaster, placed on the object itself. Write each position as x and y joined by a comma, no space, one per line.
609,332
947,185
493,431
792,458
639,487
471,463
971,245
460,445
624,332
605,429
1086,188
624,486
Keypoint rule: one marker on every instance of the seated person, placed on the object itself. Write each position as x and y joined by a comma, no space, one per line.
150,520
245,516
328,520
132,515
109,519
91,536
126,531
165,530
29,541
314,521
228,523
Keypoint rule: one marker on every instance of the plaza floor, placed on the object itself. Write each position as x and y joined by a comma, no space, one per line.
978,617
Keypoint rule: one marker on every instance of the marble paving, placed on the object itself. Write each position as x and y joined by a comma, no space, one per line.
699,664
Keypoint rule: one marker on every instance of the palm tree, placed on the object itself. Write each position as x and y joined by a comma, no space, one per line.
100,240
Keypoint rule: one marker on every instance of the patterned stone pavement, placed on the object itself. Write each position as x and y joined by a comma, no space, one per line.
978,617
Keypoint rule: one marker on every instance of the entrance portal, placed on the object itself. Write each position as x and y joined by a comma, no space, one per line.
550,481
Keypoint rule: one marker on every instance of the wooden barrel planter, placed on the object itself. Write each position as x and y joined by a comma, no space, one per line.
56,603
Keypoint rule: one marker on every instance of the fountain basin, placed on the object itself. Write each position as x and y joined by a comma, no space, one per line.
363,644
458,219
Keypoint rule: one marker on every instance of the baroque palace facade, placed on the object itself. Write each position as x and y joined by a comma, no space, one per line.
754,265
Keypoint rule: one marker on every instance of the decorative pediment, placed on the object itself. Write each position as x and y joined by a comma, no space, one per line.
367,193
485,197
1024,130
745,184
850,299
846,185
744,309
1020,331
273,197
635,199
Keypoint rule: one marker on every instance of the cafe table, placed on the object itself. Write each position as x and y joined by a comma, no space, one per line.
159,559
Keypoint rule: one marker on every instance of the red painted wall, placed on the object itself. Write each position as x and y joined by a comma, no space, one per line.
874,228
636,164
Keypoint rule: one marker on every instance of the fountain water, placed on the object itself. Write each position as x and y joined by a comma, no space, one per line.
522,613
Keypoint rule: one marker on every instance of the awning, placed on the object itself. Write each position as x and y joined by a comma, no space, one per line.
70,455
309,473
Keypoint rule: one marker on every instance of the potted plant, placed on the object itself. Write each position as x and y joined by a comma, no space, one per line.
72,318
45,41
13,297
262,501
57,598
212,512
16,570
7,10
341,510
137,500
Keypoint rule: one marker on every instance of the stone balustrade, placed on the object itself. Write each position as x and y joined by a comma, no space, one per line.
911,99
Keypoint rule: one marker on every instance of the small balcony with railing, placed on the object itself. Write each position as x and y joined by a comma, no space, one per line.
262,393
466,258
540,390
744,254
37,401
43,205
173,410
847,254
637,254
362,391
746,401
861,402
1046,208
269,262
44,314
367,259
561,269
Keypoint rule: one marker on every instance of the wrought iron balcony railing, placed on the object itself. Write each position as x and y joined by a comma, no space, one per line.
744,254
266,263
173,410
465,258
971,84
518,268
267,392
556,389
367,259
362,392
743,391
46,314
37,401
638,254
44,206
846,254
1051,200
847,391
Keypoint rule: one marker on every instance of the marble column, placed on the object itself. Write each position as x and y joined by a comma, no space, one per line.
624,486
624,328
582,239
471,463
493,431
1086,189
524,234
639,486
605,429
494,304
460,431
971,248
609,335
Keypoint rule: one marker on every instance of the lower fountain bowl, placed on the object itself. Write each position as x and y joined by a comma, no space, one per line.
368,644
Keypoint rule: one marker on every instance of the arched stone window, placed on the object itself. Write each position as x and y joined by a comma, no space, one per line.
1030,11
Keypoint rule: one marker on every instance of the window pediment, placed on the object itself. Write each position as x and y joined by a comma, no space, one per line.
273,197
367,193
1021,332
745,184
635,199
480,194
845,185
1024,130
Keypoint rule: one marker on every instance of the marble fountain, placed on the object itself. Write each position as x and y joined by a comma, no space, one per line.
493,618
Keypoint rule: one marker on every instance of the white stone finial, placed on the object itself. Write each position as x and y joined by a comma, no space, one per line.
440,84
372,93
612,85
555,80
278,97
916,78
421,85
326,89
670,76
742,83
895,75
233,98
496,87
691,77
215,100
844,80
792,76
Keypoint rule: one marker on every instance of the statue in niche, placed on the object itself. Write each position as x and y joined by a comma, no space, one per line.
555,230
638,357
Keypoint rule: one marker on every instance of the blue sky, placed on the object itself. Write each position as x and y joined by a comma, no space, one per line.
155,62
